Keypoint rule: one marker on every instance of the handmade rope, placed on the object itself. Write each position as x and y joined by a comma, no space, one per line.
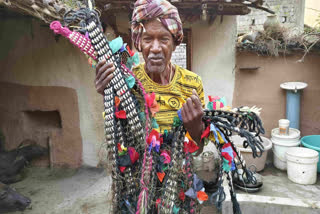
158,179
121,131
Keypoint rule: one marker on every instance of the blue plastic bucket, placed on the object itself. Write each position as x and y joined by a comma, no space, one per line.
312,142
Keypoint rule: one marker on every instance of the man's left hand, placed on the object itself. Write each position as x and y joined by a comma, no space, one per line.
192,113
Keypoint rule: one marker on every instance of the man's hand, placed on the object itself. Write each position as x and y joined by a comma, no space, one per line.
104,74
192,113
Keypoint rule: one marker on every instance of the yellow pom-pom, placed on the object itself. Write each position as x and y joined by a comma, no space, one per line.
123,148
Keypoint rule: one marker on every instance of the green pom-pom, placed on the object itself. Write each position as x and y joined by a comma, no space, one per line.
210,105
142,117
176,121
175,209
164,168
182,184
130,81
135,58
116,44
122,153
165,132
129,62
225,165
154,123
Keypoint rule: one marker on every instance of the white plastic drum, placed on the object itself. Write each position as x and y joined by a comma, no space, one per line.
281,143
302,165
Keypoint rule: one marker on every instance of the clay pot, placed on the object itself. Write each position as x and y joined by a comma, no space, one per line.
272,23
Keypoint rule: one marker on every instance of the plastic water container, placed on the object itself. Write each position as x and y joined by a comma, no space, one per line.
312,142
281,143
284,127
302,165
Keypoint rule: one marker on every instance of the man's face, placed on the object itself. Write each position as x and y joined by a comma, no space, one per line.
157,46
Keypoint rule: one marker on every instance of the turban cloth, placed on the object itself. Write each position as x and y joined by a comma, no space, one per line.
163,10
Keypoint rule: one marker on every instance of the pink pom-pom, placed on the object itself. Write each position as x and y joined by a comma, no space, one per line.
57,28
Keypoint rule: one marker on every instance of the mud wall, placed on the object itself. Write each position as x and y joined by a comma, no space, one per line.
31,55
213,55
42,114
261,87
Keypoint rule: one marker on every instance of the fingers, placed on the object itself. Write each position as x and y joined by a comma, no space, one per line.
197,103
190,108
102,85
106,70
102,69
99,65
184,114
189,112
103,75
195,93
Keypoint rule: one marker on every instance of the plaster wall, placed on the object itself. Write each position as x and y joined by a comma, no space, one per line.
261,87
213,56
312,13
31,56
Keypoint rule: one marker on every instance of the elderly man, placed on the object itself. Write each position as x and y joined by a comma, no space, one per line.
156,32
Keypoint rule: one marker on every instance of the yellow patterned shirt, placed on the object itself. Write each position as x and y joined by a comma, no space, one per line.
171,97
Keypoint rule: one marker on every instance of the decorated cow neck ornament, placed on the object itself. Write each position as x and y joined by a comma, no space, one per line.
152,172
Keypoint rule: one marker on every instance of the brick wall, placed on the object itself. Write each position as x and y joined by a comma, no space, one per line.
179,56
289,12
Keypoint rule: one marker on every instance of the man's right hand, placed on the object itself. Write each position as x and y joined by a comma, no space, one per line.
104,74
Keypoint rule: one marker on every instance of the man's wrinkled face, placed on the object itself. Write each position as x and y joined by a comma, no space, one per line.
157,46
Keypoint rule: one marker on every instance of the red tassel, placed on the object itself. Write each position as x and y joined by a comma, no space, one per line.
134,156
121,114
150,98
161,176
182,196
130,51
122,168
153,133
202,196
190,147
119,147
205,133
158,201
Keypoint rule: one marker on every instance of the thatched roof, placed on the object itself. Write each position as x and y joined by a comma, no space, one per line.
190,10
279,42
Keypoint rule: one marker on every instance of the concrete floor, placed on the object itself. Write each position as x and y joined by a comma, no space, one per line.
58,191
279,195
85,191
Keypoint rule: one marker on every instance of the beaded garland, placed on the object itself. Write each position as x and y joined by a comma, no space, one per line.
152,172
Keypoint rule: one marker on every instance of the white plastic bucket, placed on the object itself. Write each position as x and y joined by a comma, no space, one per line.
302,165
284,127
293,136
281,143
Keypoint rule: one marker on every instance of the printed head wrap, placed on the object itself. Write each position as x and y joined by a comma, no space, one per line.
163,10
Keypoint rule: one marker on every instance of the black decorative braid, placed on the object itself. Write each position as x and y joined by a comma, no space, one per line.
228,122
130,132
171,190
